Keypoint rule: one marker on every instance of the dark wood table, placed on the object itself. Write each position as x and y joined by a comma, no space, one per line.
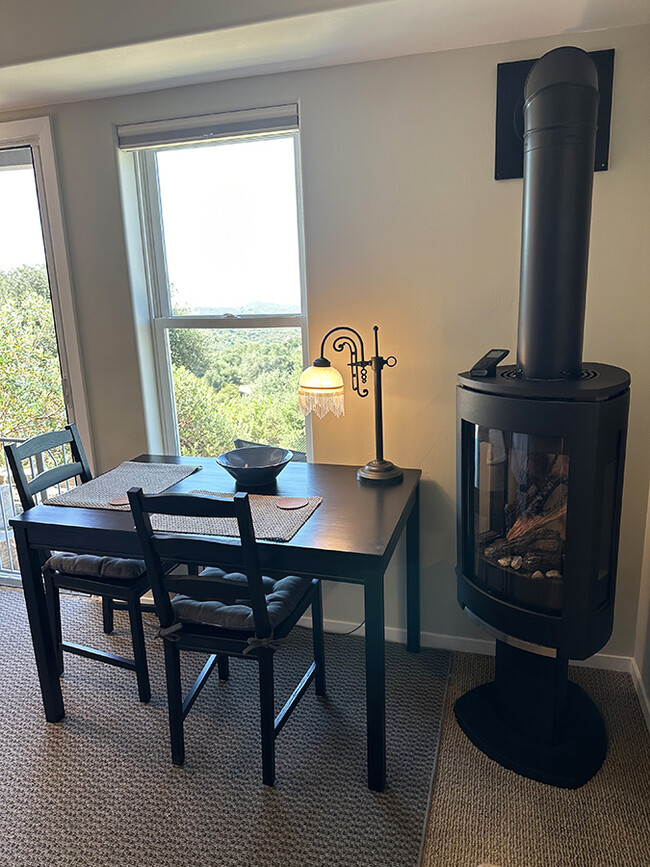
350,538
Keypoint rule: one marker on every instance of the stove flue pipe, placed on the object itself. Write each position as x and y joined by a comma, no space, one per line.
560,112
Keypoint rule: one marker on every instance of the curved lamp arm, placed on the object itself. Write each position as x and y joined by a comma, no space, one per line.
377,470
358,365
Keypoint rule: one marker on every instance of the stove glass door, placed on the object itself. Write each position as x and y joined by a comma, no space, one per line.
520,491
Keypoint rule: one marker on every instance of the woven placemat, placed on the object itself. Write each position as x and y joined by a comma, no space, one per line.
97,493
269,521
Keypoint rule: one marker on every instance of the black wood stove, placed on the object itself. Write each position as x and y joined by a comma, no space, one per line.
541,447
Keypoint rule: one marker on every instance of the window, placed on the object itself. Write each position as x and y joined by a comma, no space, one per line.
222,224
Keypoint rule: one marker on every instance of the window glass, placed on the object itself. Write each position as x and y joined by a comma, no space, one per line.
31,393
229,213
239,383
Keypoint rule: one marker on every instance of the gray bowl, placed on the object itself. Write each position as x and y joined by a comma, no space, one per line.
255,467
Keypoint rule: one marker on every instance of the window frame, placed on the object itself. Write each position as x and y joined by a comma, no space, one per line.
157,281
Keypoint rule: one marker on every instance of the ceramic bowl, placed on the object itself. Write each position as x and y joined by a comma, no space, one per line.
255,467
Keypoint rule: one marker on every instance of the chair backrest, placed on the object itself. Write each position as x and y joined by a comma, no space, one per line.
34,450
192,549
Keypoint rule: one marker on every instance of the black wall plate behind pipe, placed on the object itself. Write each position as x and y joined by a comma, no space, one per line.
509,145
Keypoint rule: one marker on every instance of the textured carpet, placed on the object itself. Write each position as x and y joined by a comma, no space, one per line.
482,813
100,789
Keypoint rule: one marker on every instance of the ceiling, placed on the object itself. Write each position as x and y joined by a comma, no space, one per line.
327,34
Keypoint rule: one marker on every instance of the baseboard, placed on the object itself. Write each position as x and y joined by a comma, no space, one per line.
398,636
461,644
606,662
644,698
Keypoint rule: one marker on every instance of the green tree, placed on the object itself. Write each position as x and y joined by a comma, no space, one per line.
31,398
25,279
200,420
266,419
191,348
254,376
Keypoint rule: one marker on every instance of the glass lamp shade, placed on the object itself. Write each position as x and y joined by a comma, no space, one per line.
321,391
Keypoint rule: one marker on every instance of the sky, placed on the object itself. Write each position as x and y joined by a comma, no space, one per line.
21,241
231,225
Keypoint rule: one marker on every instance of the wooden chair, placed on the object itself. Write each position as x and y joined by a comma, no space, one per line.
235,614
109,577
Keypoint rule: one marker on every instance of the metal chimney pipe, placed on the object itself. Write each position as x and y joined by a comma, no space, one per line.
560,112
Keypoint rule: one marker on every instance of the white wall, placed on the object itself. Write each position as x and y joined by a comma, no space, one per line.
405,228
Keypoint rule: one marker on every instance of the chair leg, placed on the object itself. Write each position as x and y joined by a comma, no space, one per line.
267,716
174,701
139,652
317,638
223,667
107,614
53,603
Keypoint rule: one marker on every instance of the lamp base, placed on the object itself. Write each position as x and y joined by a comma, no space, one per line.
380,473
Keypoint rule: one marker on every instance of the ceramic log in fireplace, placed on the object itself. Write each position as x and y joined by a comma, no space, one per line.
541,448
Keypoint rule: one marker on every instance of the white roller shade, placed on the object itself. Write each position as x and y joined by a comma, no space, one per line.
207,127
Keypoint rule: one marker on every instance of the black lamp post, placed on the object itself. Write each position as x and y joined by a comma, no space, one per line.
321,391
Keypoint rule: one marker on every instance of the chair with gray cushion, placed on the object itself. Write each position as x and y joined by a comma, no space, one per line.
109,577
226,612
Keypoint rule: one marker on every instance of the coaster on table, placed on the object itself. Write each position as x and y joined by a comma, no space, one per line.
291,502
119,501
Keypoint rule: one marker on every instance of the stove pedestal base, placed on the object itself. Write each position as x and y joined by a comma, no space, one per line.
535,722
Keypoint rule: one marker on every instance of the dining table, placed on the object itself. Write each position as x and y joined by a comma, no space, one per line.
350,538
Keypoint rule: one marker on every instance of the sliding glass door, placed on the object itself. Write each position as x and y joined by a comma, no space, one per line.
32,395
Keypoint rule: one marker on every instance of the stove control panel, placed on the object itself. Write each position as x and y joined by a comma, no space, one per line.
487,365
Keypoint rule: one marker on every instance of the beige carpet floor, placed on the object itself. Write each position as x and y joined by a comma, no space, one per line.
482,813
99,789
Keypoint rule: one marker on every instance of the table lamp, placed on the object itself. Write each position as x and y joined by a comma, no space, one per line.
321,391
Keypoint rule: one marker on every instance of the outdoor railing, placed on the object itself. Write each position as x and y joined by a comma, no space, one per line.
10,503
9,506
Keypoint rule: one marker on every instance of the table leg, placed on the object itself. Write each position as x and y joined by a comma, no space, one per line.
39,624
413,576
373,592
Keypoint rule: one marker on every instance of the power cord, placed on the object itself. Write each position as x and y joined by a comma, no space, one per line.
356,628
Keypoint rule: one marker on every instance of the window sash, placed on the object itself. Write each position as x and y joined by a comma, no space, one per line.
279,320
157,280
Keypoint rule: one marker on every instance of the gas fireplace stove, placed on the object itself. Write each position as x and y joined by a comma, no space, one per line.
541,448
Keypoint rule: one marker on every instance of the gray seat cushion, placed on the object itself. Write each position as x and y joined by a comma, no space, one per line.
96,567
222,610
230,585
